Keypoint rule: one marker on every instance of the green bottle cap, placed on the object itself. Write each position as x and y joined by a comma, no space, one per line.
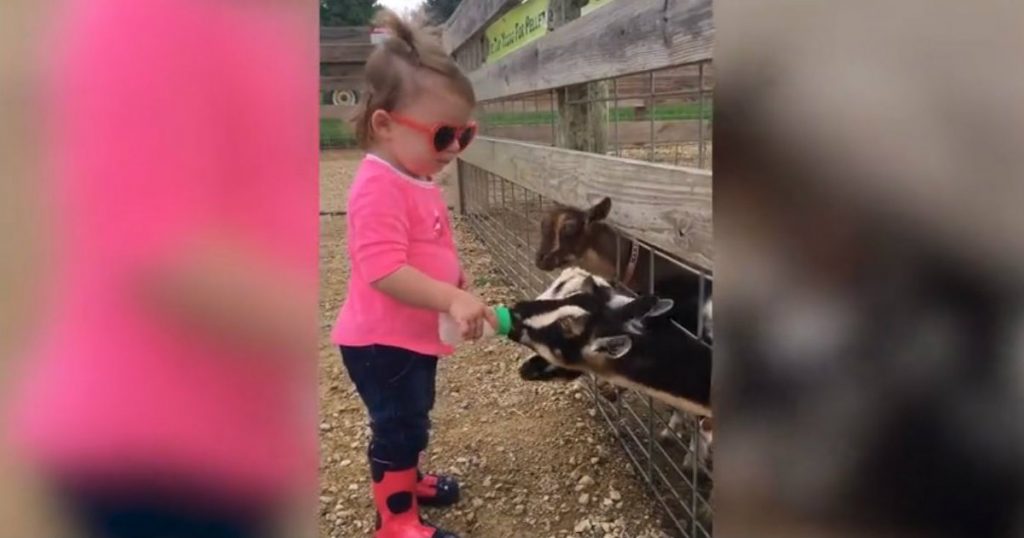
504,320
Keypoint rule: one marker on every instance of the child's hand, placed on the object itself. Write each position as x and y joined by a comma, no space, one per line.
471,313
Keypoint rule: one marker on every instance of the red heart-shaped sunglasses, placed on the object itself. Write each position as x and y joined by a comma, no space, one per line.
441,135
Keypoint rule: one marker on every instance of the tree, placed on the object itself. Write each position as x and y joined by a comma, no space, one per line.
440,10
347,12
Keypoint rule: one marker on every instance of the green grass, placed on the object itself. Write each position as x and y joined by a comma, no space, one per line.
336,133
680,111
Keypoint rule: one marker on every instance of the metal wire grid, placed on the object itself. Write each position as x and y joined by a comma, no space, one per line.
682,489
505,216
660,116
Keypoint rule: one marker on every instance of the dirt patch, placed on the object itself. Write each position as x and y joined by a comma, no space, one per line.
337,169
532,459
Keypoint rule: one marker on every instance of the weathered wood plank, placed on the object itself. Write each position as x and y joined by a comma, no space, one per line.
470,18
471,54
667,206
356,54
582,111
337,112
618,39
592,6
354,34
630,133
342,70
340,83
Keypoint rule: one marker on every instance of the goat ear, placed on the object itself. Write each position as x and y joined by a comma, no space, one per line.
614,347
662,307
573,325
634,310
649,306
600,211
589,285
639,307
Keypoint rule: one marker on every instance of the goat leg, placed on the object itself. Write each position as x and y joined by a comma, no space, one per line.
674,421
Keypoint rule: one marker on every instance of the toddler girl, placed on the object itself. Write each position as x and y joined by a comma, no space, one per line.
415,118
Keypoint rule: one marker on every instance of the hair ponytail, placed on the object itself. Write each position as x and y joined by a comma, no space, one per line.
391,70
399,29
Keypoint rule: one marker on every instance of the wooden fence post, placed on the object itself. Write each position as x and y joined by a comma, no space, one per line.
470,56
463,38
582,115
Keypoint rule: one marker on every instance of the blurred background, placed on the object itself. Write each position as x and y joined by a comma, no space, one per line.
868,353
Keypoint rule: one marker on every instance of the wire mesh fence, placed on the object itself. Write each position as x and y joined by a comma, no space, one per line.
666,456
659,116
662,116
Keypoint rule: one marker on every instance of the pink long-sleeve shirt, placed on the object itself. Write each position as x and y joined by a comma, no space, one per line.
394,220
172,120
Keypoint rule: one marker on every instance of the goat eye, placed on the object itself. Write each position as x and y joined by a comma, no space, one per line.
571,227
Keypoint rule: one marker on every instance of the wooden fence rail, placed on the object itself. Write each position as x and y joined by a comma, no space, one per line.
345,33
340,83
623,133
470,18
336,53
337,112
343,53
619,39
667,206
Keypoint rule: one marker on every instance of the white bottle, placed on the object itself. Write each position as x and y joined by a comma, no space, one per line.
450,334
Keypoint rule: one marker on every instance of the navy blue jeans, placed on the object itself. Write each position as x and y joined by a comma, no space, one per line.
397,387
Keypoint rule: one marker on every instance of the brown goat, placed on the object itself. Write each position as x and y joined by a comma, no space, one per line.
570,236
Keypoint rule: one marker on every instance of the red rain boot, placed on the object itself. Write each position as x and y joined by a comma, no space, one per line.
398,514
437,490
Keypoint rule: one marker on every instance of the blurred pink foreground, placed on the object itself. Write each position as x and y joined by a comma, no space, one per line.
174,124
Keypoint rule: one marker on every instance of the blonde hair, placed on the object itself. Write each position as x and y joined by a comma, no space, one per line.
391,71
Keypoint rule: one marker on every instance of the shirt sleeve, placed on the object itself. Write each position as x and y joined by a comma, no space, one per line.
379,229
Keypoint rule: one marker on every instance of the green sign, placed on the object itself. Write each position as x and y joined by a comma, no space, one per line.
592,5
521,25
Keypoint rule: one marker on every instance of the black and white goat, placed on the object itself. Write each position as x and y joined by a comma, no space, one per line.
573,281
628,342
576,237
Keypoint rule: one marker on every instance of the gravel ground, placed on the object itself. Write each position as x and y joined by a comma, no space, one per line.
532,459
337,167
